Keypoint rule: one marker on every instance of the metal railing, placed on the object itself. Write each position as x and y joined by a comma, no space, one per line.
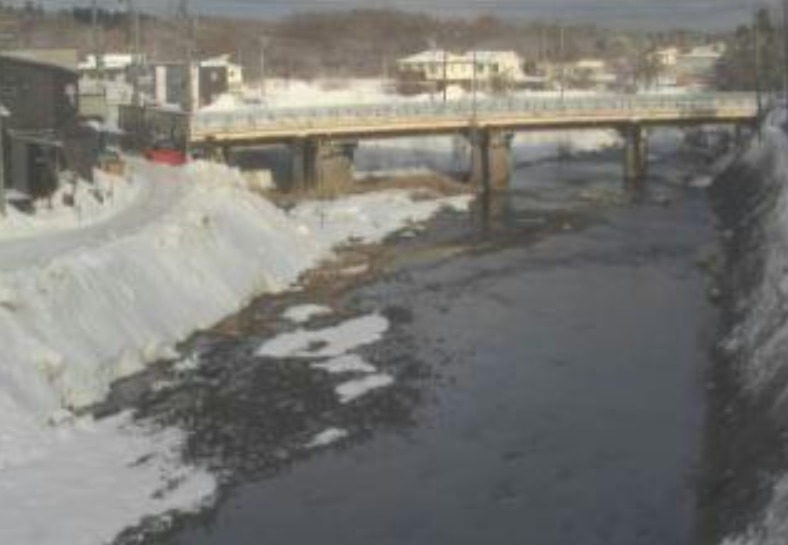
265,118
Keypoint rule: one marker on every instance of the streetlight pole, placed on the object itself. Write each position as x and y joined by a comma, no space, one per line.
562,61
134,17
263,45
445,63
473,86
3,114
757,62
96,41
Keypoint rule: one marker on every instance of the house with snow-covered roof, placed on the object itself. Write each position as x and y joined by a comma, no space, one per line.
440,68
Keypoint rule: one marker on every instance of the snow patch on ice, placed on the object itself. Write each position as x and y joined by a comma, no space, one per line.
326,343
328,437
303,313
348,363
354,389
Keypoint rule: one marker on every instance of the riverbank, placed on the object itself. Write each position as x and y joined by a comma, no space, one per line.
744,489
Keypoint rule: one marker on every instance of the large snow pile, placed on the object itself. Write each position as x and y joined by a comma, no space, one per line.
82,307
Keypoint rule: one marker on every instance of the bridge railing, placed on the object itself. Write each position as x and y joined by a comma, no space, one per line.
261,117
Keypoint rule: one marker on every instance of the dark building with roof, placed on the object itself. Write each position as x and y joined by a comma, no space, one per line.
41,97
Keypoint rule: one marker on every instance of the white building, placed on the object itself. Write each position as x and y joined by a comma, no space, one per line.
113,66
235,72
693,67
441,67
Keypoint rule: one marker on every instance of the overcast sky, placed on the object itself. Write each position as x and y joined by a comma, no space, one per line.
692,14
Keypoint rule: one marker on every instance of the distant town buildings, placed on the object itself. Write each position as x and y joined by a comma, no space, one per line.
166,83
501,70
693,67
111,66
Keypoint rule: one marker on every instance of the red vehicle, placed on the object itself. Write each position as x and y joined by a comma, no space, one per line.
166,153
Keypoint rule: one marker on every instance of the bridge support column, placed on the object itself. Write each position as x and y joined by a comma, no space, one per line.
490,159
635,156
738,135
321,165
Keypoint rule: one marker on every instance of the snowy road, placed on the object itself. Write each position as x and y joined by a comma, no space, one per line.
161,188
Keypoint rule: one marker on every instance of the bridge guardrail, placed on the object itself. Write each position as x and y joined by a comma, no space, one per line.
274,118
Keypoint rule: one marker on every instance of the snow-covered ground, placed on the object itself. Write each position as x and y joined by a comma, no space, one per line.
75,204
86,302
281,93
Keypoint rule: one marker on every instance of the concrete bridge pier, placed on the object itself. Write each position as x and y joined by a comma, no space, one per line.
490,159
321,165
635,156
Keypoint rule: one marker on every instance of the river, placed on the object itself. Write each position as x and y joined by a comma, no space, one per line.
550,352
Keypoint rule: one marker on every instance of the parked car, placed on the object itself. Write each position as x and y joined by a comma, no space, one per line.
165,152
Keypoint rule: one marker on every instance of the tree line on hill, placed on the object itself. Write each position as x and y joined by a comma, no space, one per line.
368,42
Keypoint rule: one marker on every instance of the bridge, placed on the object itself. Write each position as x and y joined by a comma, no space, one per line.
322,138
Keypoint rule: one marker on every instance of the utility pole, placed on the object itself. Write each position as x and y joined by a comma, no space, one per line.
562,60
445,63
188,105
134,18
186,26
96,41
3,115
757,63
785,53
263,45
473,85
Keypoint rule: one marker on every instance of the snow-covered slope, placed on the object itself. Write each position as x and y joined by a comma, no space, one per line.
84,306
751,199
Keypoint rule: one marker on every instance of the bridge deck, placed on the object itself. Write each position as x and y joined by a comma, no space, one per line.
262,125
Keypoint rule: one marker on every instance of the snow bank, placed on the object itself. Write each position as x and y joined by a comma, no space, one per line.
84,482
84,306
752,202
369,217
73,206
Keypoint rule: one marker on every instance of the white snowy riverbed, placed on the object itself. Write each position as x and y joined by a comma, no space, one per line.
91,301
